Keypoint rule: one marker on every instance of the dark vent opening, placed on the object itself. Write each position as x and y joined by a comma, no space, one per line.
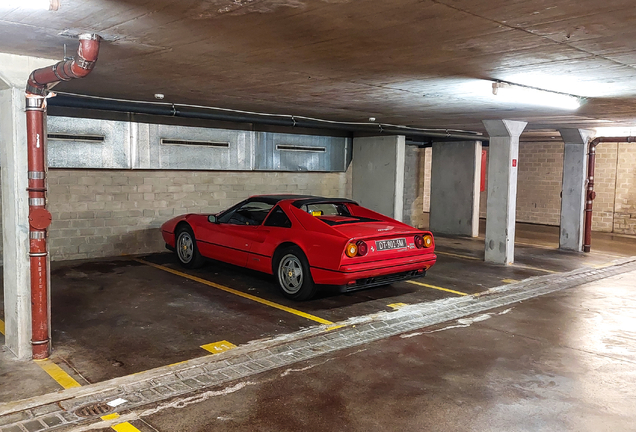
195,143
301,148
72,137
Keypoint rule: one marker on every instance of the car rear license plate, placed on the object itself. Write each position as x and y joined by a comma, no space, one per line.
382,245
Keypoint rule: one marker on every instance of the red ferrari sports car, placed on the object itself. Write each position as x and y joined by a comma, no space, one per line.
304,241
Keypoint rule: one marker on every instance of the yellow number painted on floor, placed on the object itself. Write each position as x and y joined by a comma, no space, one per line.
218,347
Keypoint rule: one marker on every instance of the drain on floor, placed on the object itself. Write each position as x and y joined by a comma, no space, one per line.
97,409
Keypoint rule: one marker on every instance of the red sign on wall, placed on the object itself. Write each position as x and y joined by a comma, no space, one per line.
514,162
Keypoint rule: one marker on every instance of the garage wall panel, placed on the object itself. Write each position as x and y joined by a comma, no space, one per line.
88,143
287,152
99,213
181,147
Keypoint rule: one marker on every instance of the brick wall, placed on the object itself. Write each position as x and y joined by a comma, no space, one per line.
539,181
539,186
605,187
108,212
415,186
625,207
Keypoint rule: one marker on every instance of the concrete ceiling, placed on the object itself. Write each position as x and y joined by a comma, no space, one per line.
419,63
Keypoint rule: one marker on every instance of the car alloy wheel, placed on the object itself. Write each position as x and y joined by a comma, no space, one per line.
290,274
185,247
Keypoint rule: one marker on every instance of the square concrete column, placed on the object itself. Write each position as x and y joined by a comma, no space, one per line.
455,181
378,174
503,155
573,189
14,71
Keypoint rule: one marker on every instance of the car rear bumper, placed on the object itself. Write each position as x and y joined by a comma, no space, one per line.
367,275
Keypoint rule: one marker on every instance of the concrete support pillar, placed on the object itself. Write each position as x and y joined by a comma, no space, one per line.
503,157
573,189
378,174
455,181
14,71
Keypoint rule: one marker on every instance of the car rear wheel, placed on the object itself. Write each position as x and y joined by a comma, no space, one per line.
186,249
293,275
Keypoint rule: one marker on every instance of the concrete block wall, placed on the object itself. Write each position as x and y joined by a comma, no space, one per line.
539,186
539,179
100,213
625,199
605,187
539,182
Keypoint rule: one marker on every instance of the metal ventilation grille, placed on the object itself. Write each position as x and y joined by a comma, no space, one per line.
73,137
298,148
165,141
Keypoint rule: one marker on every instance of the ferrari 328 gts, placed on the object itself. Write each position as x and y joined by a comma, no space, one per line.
304,241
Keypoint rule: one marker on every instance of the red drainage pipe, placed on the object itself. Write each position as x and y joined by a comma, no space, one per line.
40,81
587,241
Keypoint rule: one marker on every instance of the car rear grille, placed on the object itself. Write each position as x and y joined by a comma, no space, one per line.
382,280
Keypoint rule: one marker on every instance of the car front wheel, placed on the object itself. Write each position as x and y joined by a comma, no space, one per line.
294,276
186,249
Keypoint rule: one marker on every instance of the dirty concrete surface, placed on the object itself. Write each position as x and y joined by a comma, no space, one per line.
116,317
561,362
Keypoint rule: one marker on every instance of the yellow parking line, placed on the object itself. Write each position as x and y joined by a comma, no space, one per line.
238,293
533,268
437,288
458,255
125,427
121,427
57,373
509,281
397,306
1,326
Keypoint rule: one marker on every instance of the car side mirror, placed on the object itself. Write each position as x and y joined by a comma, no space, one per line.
213,219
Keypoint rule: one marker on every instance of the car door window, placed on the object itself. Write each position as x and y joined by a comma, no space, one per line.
278,218
250,213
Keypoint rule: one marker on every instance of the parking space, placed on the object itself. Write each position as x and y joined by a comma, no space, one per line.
120,316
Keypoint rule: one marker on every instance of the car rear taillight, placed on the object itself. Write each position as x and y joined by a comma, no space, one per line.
352,250
362,248
428,240
419,241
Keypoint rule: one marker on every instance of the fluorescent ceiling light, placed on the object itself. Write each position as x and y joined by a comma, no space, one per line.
31,4
518,94
615,131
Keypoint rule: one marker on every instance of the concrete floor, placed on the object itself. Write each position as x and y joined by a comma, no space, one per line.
561,362
113,318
